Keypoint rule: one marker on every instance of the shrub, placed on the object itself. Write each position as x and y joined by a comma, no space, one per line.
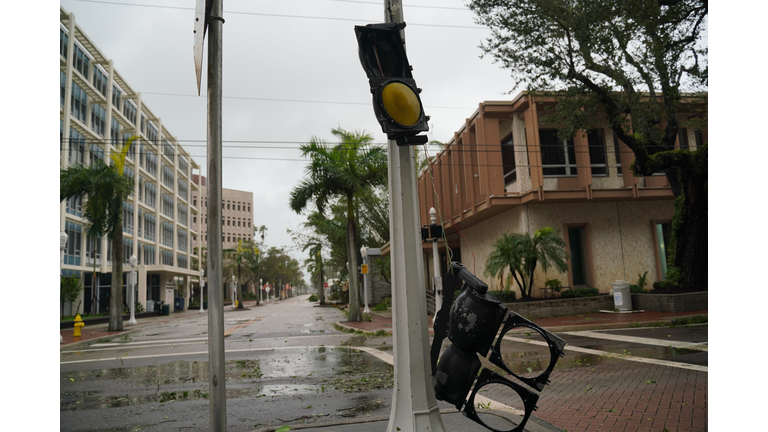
634,288
504,296
381,307
579,292
554,284
313,298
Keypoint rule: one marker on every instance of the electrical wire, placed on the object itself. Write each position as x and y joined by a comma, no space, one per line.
277,15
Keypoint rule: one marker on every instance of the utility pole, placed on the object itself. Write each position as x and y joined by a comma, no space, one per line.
414,406
209,17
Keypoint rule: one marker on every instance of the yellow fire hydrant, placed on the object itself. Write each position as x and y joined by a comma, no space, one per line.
78,323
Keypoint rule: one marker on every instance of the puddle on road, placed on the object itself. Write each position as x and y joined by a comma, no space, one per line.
316,370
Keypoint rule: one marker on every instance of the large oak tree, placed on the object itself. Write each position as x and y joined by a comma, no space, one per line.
642,63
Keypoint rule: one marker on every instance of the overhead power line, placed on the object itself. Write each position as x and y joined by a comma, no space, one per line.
278,15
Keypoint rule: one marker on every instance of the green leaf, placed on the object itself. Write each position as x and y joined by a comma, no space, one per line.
283,429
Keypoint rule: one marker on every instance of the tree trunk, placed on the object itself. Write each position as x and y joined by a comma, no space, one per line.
321,288
690,226
239,289
354,302
116,299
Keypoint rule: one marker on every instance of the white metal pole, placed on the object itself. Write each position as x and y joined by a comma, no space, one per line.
261,286
202,284
131,301
436,268
63,245
364,251
414,406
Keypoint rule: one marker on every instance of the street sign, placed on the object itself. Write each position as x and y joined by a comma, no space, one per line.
364,268
325,284
267,290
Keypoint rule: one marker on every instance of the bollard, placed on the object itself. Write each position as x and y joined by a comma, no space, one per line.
78,323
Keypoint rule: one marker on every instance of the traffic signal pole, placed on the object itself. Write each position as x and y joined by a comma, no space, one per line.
414,406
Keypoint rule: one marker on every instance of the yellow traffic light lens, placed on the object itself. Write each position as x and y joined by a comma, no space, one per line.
401,103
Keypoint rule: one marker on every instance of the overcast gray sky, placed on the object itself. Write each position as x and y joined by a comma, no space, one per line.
291,71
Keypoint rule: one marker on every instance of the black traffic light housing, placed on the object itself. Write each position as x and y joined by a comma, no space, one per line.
396,100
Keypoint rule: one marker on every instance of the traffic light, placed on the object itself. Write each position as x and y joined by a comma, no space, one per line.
471,324
396,100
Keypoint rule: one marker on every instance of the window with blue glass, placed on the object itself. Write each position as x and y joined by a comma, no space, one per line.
100,81
98,119
167,234
116,94
168,149
183,165
79,106
127,217
76,147
75,206
168,205
132,149
127,250
168,176
181,260
150,225
72,252
149,254
182,239
182,211
150,194
129,111
96,154
114,132
81,61
93,251
63,85
151,133
183,191
150,161
63,43
166,257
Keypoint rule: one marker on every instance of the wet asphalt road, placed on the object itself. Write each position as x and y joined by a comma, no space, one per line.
285,363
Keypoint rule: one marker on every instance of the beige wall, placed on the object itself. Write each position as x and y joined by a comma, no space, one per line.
620,232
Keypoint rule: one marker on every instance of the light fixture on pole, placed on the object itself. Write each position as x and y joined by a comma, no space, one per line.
364,268
202,284
261,287
234,292
132,283
62,245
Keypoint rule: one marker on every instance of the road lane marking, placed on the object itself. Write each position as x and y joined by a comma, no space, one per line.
699,346
238,327
619,356
134,343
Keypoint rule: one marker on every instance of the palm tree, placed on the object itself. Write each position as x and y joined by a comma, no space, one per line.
104,189
343,170
316,266
521,253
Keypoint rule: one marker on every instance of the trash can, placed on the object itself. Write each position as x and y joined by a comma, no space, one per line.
622,299
165,308
205,305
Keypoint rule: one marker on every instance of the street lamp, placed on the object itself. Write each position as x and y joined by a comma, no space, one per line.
63,245
438,285
132,283
234,292
261,287
202,284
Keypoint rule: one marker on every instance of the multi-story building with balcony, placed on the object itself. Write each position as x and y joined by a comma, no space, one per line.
506,171
98,111
236,213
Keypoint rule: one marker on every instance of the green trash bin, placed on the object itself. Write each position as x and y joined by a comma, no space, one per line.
205,305
166,309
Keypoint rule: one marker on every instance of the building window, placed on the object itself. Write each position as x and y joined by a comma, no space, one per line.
168,205
93,251
72,252
508,160
578,250
596,144
167,234
129,172
127,250
81,62
182,212
699,137
98,119
63,43
151,132
183,165
150,161
76,147
182,239
168,176
63,87
129,111
181,260
149,226
127,217
114,132
166,257
75,205
183,189
558,157
150,194
79,106
132,149
100,81
663,236
168,149
96,154
149,254
116,94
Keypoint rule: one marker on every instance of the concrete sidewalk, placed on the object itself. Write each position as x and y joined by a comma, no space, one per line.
382,320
